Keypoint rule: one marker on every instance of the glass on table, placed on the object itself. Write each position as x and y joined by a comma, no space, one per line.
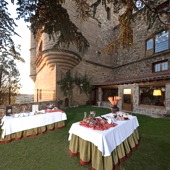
92,114
85,115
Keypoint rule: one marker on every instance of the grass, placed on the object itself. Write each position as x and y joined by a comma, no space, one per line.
50,151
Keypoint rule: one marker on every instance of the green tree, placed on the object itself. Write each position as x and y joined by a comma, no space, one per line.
7,27
51,17
67,85
9,79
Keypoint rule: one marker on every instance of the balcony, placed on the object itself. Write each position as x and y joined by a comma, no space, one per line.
64,59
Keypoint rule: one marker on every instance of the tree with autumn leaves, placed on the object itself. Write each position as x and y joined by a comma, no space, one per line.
51,17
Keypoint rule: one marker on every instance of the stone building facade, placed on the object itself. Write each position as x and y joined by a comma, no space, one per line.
24,98
131,68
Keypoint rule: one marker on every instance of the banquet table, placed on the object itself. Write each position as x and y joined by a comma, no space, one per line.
104,149
14,128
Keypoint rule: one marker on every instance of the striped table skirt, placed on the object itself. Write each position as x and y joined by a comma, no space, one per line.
32,132
89,153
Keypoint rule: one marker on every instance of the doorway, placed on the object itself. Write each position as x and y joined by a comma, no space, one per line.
127,102
93,96
66,102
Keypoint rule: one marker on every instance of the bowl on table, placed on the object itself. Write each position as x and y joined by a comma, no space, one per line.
25,114
50,106
15,115
31,114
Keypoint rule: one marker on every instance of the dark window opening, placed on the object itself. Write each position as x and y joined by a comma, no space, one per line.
40,94
109,93
108,13
127,98
40,47
147,96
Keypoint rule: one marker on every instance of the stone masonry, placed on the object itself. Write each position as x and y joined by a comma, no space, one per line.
47,67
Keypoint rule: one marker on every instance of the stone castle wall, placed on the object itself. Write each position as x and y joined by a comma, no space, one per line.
24,98
45,84
25,107
133,60
98,65
46,78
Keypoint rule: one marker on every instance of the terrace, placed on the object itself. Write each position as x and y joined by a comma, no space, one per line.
50,151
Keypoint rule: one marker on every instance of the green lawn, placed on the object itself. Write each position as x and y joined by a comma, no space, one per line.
50,151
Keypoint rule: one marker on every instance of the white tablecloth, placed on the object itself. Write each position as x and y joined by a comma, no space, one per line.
12,125
106,140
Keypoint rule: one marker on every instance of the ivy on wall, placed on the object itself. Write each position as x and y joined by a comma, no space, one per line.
68,82
83,82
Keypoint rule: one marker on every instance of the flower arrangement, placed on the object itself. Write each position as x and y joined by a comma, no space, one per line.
114,100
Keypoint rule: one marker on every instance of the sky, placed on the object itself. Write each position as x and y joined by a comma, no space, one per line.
24,68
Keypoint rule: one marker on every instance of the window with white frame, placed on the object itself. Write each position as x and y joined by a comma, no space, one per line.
160,66
162,41
159,42
149,44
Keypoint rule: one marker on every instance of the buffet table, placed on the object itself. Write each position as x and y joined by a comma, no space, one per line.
104,149
14,128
